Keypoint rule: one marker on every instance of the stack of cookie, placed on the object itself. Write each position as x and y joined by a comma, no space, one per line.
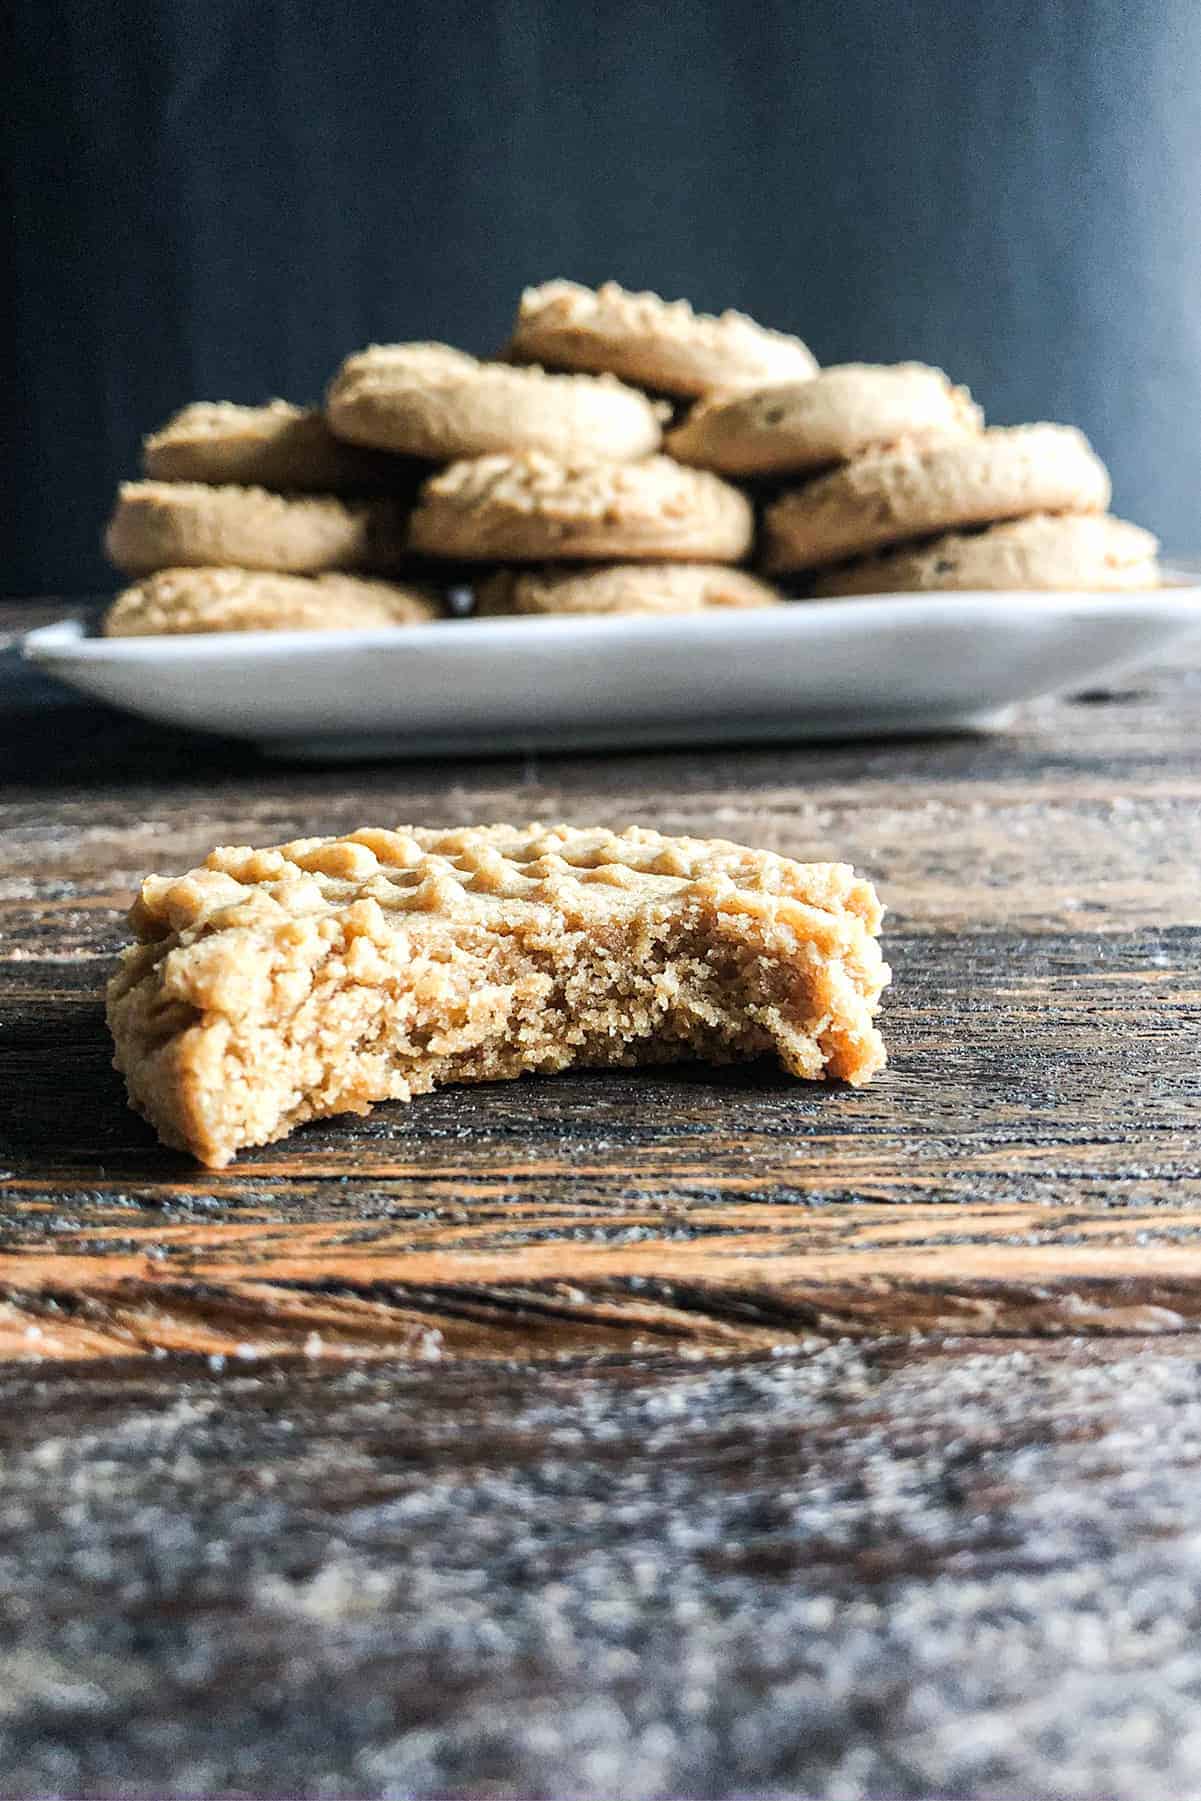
259,518
613,462
896,460
553,489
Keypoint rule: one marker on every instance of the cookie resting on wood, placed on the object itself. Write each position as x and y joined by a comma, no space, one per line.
270,987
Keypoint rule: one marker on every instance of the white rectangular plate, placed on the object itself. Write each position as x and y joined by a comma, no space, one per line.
888,664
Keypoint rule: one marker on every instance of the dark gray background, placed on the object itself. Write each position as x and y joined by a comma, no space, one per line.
219,198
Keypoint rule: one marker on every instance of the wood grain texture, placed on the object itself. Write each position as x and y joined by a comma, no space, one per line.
1045,1023
683,1433
879,1572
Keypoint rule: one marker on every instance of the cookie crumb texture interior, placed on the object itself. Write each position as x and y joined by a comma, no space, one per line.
270,987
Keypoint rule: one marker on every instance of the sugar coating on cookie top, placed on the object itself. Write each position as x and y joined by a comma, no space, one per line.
199,600
395,367
580,488
183,497
279,446
162,505
159,525
440,403
653,340
843,411
424,359
214,418
533,508
614,308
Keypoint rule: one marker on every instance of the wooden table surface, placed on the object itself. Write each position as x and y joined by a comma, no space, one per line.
678,1433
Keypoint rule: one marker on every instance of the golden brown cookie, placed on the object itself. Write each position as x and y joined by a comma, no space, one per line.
623,588
661,344
839,413
270,987
287,448
162,525
431,401
534,509
1085,552
914,491
252,600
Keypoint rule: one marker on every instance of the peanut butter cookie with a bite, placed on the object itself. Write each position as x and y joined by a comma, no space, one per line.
271,987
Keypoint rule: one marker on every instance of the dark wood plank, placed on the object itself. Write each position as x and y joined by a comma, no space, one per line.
1044,1026
694,1433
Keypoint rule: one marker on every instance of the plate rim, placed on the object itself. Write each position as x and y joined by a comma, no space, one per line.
68,639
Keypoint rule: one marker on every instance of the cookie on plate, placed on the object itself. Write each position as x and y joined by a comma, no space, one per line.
916,491
252,600
534,509
1085,552
269,987
842,411
278,446
162,525
428,400
623,588
661,344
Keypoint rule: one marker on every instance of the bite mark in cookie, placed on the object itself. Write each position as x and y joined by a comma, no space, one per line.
270,987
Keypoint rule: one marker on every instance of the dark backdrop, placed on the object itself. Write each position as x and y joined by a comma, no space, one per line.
219,198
